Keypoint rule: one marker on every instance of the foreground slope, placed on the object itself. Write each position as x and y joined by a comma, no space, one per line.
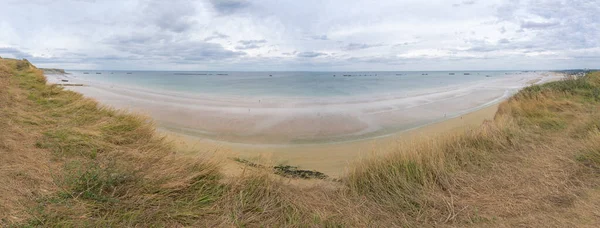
67,161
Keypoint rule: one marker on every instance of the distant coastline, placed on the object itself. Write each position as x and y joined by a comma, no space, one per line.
53,71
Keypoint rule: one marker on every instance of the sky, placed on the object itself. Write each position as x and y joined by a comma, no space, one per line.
307,35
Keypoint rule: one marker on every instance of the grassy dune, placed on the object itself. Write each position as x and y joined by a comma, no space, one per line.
65,160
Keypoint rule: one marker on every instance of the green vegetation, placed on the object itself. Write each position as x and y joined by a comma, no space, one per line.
68,161
53,71
286,170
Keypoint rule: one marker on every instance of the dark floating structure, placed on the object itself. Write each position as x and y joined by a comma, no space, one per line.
128,72
70,84
64,80
98,73
86,73
222,74
467,73
360,75
451,73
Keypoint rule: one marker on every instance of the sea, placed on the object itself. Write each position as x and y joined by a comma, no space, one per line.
290,84
275,107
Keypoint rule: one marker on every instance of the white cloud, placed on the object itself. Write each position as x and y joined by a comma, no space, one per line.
303,35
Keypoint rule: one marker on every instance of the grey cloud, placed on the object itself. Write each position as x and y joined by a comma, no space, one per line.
207,52
503,41
358,46
482,45
171,16
250,44
112,58
319,37
395,60
563,26
14,52
74,54
483,49
310,54
537,25
166,46
216,35
195,51
405,44
506,11
137,39
229,6
289,53
467,2
502,30
584,54
377,59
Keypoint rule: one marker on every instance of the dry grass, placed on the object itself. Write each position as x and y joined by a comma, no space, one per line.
522,169
67,161
99,166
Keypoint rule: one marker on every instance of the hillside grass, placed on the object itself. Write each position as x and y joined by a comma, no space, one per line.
65,160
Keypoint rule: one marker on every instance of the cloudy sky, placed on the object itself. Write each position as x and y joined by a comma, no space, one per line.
308,35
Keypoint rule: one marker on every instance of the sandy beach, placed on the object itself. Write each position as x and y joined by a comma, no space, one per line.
276,132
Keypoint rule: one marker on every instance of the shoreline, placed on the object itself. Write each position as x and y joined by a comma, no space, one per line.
325,121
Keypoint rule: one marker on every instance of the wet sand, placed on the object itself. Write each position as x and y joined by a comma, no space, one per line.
331,159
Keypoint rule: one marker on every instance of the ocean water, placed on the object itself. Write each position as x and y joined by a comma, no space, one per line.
289,84
300,107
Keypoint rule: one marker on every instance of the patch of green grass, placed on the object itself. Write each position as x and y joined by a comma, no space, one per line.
68,142
397,184
91,181
586,128
590,158
126,129
550,123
